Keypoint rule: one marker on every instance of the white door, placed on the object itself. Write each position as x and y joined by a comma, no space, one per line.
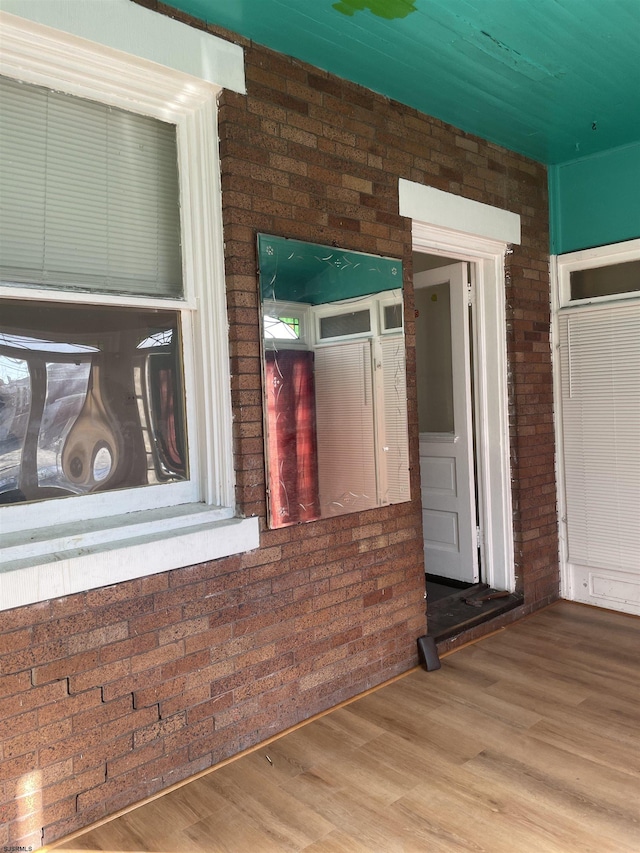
600,404
345,428
445,423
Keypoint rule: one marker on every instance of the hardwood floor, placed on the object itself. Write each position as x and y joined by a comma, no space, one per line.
526,742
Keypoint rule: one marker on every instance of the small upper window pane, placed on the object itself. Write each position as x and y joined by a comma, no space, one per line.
281,328
393,316
340,325
605,281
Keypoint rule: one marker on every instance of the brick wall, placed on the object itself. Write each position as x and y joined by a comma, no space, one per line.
111,695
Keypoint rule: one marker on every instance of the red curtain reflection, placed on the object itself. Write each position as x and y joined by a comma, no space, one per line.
167,433
293,461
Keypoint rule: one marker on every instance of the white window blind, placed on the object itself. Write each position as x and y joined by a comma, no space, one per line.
396,449
345,428
600,385
89,195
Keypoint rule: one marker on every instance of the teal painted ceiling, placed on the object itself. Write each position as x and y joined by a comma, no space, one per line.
555,80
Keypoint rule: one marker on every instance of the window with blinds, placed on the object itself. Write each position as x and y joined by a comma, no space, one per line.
89,195
600,391
89,204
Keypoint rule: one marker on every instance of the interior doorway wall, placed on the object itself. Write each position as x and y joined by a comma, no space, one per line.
451,227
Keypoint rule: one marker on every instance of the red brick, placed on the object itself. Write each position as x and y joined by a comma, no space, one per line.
71,786
17,725
65,668
15,640
160,729
25,743
99,675
129,723
135,758
158,692
103,713
188,699
28,700
100,753
127,648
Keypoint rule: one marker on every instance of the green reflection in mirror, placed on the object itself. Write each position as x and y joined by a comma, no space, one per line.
295,271
333,358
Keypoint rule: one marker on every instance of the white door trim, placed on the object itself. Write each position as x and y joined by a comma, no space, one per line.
486,253
453,213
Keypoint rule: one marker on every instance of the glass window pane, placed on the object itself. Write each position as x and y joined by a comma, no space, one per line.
281,328
15,403
339,325
605,281
393,316
91,399
65,393
434,370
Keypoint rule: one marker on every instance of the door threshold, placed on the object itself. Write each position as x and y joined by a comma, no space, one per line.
463,609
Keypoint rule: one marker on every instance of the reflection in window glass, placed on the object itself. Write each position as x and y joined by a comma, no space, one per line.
66,392
434,360
15,402
605,281
340,325
91,399
281,328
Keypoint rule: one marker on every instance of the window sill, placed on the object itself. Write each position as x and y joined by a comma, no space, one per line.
53,562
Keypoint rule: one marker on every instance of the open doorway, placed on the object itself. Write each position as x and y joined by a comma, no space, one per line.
459,582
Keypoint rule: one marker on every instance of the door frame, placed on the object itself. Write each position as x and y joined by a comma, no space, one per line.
451,226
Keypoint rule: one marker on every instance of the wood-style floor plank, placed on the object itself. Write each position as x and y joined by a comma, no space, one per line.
526,742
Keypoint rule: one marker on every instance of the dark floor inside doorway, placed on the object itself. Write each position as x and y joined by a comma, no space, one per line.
453,607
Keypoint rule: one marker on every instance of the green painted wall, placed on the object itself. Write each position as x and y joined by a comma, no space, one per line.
595,201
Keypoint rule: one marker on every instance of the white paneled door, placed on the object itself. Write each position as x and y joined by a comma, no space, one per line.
599,349
446,423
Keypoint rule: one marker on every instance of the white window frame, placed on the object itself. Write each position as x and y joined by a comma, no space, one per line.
60,547
572,575
602,256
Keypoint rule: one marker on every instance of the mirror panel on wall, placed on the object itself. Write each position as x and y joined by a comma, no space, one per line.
334,380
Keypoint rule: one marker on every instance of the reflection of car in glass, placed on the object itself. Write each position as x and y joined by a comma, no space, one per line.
91,399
